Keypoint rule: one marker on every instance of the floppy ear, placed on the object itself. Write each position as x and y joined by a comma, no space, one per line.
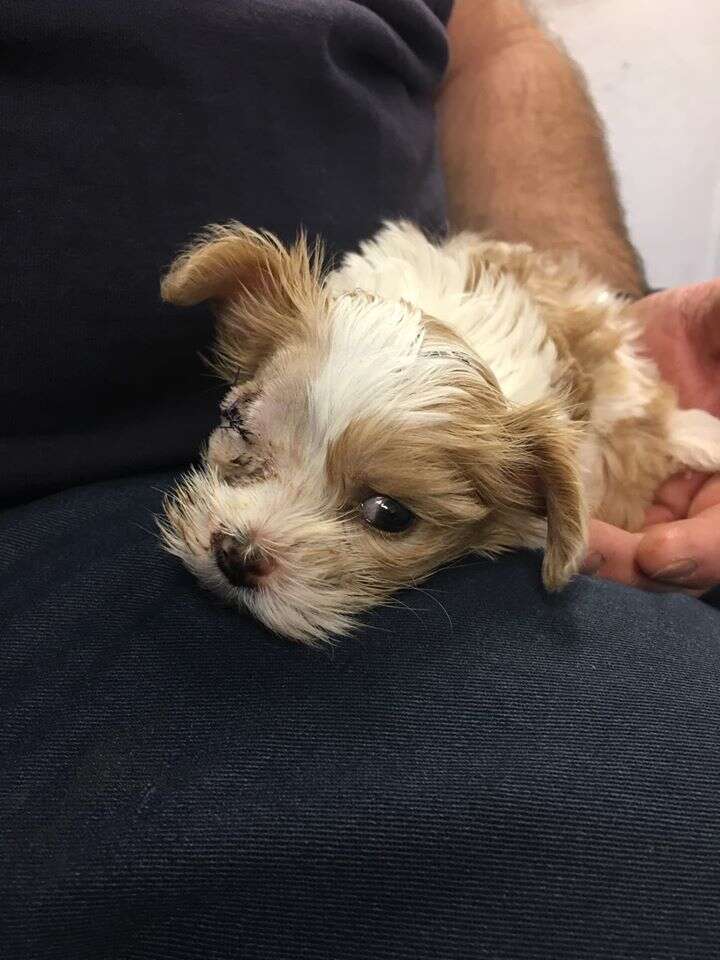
520,460
523,462
264,294
550,445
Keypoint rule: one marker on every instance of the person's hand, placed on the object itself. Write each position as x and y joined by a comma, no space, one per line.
679,547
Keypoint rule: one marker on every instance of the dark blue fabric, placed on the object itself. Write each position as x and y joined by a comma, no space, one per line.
130,125
485,771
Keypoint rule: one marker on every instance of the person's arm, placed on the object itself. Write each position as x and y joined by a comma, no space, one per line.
522,146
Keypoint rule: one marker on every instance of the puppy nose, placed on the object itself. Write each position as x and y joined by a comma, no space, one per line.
241,566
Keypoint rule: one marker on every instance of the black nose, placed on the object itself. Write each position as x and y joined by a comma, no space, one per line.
241,566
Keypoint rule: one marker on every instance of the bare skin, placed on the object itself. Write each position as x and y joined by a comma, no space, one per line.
523,148
523,151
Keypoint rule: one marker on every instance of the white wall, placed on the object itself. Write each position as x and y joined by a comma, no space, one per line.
653,67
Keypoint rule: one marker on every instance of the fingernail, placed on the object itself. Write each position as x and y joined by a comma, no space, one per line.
677,572
592,563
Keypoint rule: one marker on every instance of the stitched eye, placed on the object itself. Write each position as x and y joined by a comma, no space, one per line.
233,417
384,513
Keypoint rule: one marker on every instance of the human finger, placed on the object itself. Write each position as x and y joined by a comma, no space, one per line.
707,496
684,554
612,555
673,498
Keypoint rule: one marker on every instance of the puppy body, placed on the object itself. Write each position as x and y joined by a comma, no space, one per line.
495,395
547,328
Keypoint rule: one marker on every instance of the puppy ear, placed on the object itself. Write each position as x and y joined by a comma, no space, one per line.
550,445
264,294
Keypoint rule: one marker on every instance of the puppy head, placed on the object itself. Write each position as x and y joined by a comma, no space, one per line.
362,445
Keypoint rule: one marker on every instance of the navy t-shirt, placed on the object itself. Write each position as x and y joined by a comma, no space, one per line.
131,125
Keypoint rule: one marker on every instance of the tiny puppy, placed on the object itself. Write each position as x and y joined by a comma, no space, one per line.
420,402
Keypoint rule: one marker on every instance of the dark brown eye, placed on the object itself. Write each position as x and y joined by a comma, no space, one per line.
384,513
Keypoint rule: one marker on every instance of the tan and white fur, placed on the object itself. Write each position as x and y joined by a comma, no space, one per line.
497,395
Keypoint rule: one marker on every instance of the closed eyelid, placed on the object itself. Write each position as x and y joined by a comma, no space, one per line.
234,407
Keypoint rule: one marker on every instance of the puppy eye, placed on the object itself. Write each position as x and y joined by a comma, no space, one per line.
384,513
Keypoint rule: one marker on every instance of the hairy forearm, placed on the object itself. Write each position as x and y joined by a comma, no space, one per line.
523,149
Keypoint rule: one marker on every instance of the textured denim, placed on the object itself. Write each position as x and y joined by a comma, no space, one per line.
484,772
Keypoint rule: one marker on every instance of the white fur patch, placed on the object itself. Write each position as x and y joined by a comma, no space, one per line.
374,366
497,319
695,439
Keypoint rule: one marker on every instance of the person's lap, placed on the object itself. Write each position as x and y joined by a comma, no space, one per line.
482,771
